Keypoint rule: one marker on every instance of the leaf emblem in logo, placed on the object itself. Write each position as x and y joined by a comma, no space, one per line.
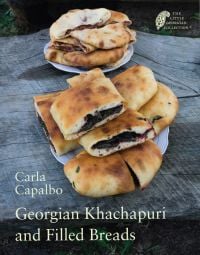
161,19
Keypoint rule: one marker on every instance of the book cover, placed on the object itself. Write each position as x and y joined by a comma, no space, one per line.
99,134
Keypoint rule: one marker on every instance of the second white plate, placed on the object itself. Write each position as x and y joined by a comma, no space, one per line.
105,69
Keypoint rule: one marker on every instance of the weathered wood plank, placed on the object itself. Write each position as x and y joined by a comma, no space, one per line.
24,73
175,61
177,181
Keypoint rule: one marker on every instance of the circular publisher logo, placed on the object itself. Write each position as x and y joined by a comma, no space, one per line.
161,19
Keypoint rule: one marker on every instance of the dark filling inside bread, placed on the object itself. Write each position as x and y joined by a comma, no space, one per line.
45,130
91,120
81,27
66,47
134,176
125,137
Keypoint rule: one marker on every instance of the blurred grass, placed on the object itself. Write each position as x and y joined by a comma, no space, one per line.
196,16
104,247
6,19
8,24
100,247
162,31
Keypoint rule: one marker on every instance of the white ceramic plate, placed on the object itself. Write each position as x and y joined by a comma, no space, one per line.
161,140
71,69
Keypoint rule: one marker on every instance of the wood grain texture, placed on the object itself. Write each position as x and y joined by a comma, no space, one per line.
24,73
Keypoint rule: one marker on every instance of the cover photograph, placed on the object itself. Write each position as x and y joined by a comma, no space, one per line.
100,127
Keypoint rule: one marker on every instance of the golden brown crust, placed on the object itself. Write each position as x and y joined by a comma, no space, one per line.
75,19
144,160
72,106
132,34
96,58
108,37
99,177
85,78
77,58
56,56
137,85
43,104
162,108
129,121
119,17
47,96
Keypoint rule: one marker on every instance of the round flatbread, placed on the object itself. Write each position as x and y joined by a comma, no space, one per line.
99,177
162,108
56,56
107,37
119,17
78,19
93,59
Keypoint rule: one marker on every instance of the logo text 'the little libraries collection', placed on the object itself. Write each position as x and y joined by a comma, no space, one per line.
171,21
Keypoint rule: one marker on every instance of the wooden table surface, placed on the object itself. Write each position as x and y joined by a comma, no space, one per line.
23,147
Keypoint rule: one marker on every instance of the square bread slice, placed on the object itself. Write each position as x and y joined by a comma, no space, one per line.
42,105
82,108
143,161
162,108
137,85
129,129
86,77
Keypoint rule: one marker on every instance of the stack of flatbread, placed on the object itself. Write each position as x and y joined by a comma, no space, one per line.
90,38
114,120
